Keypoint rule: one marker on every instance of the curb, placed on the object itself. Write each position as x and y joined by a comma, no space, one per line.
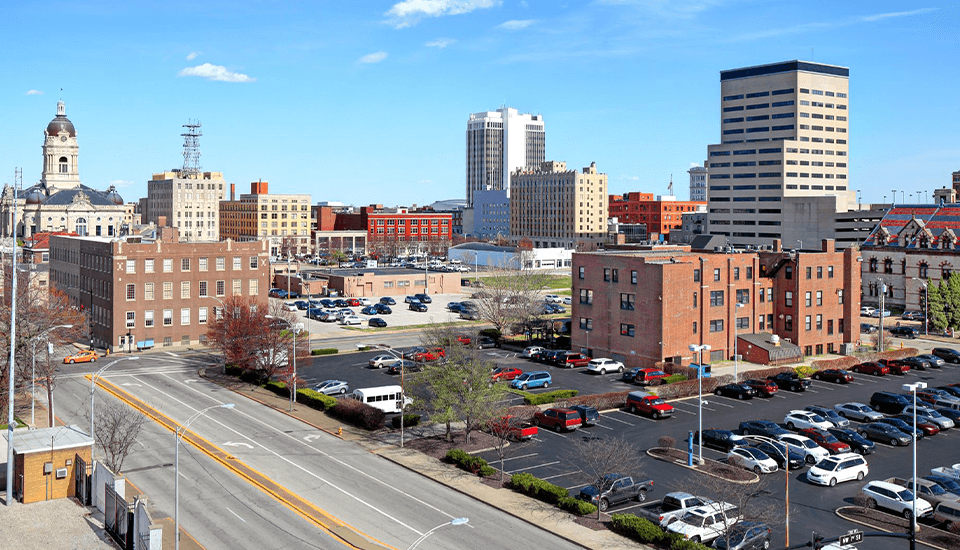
843,517
756,480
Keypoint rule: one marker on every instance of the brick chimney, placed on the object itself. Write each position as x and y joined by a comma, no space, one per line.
259,187
233,192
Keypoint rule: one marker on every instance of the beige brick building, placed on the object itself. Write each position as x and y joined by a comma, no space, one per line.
189,201
558,208
284,220
163,290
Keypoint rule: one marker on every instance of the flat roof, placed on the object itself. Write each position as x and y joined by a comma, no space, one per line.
49,439
784,67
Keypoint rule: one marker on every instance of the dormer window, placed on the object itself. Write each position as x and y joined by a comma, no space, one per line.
64,166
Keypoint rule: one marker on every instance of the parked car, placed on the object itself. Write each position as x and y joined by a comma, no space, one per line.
931,415
867,311
574,359
932,395
837,469
512,427
833,375
351,320
376,322
722,440
826,440
382,309
871,367
558,419
903,426
552,299
904,332
589,416
934,360
533,379
417,306
530,351
896,366
454,307
736,391
829,415
895,498
353,302
618,489
332,387
603,365
751,458
884,432
649,376
912,316
83,356
705,523
878,313
951,413
639,402
485,342
380,361
505,373
790,381
302,304
868,328
949,355
404,366
423,298
948,484
628,374
924,424
746,535
765,428
858,411
429,354
928,490
764,388
857,442
780,453
812,452
670,508
796,420
888,402
369,310
388,301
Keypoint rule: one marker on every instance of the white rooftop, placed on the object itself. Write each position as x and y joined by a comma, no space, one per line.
49,439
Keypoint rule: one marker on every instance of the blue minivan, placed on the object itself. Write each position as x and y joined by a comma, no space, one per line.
533,379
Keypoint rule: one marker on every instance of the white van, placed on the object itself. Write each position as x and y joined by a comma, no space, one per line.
385,398
454,261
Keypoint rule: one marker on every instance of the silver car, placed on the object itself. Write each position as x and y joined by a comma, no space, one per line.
932,416
332,387
858,411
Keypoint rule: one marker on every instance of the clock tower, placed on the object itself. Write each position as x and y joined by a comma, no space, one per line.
60,153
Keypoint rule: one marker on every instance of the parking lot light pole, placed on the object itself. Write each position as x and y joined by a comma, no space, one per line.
423,537
293,381
176,468
699,350
33,371
912,388
93,386
926,305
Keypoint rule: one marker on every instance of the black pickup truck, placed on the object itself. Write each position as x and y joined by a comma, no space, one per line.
616,489
790,381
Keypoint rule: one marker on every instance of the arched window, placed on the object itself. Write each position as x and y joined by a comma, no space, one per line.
888,266
81,228
903,266
873,265
923,270
64,165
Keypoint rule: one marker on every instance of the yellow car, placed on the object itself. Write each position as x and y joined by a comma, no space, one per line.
85,356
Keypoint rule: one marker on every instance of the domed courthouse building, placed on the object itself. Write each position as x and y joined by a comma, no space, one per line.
59,202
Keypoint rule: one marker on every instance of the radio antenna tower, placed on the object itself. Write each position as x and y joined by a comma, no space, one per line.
191,149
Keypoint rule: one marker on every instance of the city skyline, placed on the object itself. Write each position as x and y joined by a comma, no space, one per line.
376,95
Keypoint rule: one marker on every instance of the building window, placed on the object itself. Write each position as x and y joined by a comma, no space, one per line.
923,270
808,299
830,272
254,287
131,319
581,271
237,263
840,326
695,300
131,266
809,272
788,272
131,292
202,292
696,275
736,274
716,325
788,323
633,277
202,316
237,289
762,295
788,299
253,262
716,274
819,297
606,274
148,291
627,301
64,165
184,264
586,323
167,317
221,288
148,266
749,273
829,326
819,272
807,321
168,265
695,327
221,264
840,296
586,296
616,275
888,266
184,289
168,290
743,296
184,316
873,265
743,323
819,322
148,318
627,330
761,324
716,297
202,264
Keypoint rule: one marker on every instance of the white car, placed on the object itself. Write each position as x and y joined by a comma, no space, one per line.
838,468
351,320
290,306
880,313
602,365
867,311
705,523
380,361
752,459
567,300
811,452
894,497
931,415
858,411
365,301
552,299
798,420
529,351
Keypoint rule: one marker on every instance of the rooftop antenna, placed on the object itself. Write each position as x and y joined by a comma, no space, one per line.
191,149
670,186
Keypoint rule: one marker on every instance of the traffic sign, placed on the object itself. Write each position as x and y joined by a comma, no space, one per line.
851,537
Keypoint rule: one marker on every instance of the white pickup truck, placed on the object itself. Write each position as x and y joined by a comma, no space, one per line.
953,471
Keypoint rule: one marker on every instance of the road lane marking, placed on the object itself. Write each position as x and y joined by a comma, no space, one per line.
533,467
234,513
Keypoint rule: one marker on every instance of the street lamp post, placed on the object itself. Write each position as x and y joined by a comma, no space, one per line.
736,356
93,387
176,475
293,381
926,305
699,349
423,537
33,372
912,388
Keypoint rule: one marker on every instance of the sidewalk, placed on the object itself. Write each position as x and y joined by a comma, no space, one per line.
536,513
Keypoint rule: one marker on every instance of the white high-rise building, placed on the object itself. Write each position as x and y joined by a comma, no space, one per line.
498,143
698,183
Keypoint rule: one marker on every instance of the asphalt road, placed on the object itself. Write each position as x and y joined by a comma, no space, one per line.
375,497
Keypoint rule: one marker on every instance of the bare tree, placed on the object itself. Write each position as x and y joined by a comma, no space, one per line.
505,429
116,430
604,460
510,296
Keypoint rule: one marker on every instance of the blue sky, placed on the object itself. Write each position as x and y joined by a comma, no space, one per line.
367,101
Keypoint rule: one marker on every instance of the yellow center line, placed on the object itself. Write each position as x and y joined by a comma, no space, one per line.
340,531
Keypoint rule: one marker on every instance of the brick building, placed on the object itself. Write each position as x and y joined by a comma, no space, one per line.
60,447
389,231
646,306
661,215
164,290
283,219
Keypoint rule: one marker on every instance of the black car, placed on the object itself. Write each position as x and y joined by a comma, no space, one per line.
868,328
629,374
901,425
903,332
746,535
407,366
539,356
723,440
340,302
857,443
377,322
417,306
455,307
302,304
423,298
935,361
762,427
552,356
776,451
888,402
485,342
328,303
388,301
314,313
554,308
952,414
738,391
949,355
790,381
916,363
883,432
369,310
588,415
382,309
952,390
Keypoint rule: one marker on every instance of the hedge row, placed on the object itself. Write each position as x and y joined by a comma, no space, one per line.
537,488
576,506
647,532
544,398
324,351
674,378
468,462
358,414
600,401
409,420
315,399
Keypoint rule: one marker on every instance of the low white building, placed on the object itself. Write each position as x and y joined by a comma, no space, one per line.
510,257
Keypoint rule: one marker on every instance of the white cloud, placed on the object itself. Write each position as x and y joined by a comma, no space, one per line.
121,183
215,72
408,12
440,43
694,165
192,55
516,24
879,16
375,57
34,92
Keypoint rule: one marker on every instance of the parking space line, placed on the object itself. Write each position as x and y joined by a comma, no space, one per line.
620,421
602,426
724,404
631,507
551,432
827,388
533,467
559,475
516,457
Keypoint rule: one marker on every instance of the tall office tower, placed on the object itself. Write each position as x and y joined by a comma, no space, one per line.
698,183
498,143
781,169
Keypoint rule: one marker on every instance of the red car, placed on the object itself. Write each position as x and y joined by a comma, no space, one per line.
870,367
505,373
464,339
575,360
765,388
826,440
896,366
928,397
429,355
833,375
649,377
558,419
928,428
353,302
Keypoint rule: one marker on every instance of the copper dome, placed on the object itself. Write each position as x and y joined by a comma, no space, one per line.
61,123
35,197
